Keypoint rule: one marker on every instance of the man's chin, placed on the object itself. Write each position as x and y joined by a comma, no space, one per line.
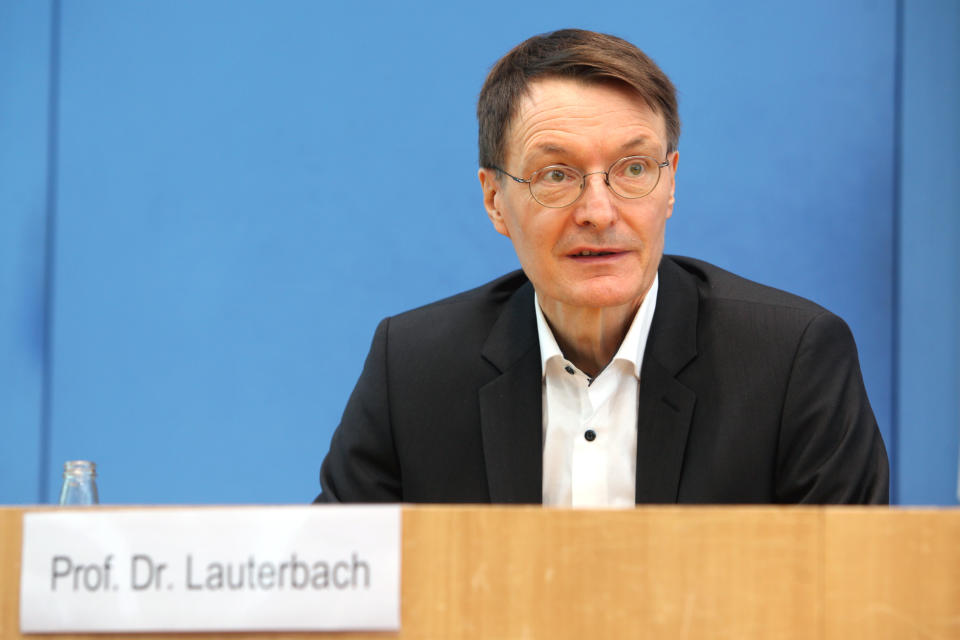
604,298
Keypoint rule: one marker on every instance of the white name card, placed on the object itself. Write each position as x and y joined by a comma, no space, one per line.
310,568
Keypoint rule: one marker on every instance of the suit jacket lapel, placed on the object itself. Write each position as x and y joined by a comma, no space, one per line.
511,408
665,406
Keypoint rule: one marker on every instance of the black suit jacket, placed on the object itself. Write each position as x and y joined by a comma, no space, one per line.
747,395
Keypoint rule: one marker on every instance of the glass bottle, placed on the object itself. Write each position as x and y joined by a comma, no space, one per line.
79,483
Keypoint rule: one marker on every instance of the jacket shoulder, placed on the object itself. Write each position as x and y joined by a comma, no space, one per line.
445,332
718,285
478,304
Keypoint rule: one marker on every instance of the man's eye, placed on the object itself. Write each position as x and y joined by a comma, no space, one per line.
635,170
556,176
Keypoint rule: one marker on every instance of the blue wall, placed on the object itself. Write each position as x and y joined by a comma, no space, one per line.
205,208
928,385
24,98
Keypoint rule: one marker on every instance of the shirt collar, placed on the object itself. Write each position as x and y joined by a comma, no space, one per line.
631,349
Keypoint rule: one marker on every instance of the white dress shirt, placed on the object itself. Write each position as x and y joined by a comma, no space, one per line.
590,426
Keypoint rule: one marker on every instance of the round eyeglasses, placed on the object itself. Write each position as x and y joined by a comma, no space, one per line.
558,185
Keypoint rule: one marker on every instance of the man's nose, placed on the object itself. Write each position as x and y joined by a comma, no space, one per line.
596,206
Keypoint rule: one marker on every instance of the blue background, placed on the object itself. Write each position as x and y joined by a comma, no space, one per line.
205,209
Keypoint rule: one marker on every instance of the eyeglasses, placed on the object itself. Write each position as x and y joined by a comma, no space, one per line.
558,185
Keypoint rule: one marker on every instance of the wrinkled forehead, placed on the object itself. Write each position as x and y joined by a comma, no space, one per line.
584,112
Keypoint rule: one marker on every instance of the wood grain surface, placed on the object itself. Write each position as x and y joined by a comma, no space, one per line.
652,572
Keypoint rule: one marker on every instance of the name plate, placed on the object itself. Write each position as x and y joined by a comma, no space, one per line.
309,568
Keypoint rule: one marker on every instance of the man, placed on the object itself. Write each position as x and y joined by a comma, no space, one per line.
604,373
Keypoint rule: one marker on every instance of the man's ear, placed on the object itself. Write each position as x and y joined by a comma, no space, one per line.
674,164
491,184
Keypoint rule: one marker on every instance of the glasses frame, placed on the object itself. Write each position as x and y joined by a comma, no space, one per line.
583,179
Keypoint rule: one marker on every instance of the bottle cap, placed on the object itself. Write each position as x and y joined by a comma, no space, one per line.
79,468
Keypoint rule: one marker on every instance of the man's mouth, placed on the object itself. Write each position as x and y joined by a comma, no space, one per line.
589,253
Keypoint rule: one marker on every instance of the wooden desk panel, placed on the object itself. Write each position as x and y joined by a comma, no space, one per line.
653,572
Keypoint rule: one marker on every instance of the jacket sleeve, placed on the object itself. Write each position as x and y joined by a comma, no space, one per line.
362,465
830,450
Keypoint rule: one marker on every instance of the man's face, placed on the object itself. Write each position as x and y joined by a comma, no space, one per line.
587,127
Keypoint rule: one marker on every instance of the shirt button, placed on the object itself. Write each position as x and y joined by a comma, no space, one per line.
590,435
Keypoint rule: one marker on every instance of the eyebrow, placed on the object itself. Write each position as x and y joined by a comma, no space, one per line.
549,147
543,149
639,141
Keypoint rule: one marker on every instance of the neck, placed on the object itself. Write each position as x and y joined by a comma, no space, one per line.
589,337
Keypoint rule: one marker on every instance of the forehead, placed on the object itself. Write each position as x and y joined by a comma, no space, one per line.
579,120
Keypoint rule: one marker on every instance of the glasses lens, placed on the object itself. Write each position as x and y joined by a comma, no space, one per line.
556,186
634,176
